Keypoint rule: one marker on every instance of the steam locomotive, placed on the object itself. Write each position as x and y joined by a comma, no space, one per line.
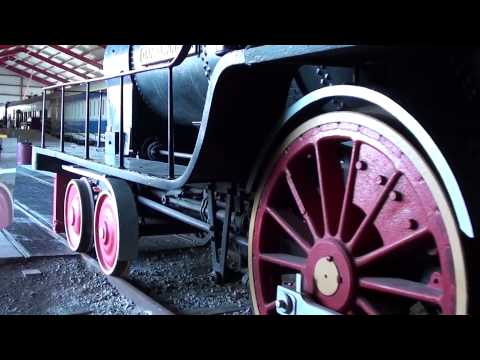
332,175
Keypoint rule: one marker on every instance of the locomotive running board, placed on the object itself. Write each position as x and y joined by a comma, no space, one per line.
84,172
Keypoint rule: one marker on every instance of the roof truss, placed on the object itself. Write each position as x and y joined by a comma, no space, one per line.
52,64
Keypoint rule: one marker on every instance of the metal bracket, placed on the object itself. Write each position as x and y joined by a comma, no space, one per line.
293,302
220,235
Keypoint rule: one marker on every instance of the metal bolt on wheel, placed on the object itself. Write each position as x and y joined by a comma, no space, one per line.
355,209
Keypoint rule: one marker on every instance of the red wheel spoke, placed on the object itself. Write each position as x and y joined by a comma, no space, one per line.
391,248
331,186
372,215
403,288
300,204
349,187
271,306
366,306
289,230
285,260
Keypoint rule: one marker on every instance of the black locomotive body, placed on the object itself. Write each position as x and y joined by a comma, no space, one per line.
332,168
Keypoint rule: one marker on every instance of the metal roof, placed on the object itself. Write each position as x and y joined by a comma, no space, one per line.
53,64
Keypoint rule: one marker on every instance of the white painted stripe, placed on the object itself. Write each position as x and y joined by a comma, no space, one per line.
19,247
8,171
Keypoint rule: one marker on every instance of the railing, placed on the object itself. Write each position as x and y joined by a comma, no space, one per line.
184,51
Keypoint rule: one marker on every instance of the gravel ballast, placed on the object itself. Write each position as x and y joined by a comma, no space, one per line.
181,280
59,286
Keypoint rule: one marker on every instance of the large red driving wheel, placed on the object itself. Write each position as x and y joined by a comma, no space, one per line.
115,228
78,215
353,207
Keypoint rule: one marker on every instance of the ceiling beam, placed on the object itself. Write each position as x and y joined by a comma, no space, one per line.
41,71
25,74
77,56
11,52
43,58
57,64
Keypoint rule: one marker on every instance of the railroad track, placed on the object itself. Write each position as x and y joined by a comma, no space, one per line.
125,288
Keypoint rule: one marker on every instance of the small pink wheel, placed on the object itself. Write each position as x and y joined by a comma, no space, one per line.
6,207
78,215
115,228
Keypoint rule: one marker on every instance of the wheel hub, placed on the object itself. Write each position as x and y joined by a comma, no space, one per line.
74,215
107,236
329,274
326,276
103,233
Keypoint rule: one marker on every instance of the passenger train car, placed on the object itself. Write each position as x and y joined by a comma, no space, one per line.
28,113
338,177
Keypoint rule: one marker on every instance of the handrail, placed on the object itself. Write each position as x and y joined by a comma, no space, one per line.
177,60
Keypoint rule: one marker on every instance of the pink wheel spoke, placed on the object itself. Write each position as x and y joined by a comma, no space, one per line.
322,191
300,204
289,230
372,215
391,248
285,260
349,187
403,288
366,306
331,187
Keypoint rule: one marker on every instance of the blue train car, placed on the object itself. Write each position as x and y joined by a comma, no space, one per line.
75,113
28,113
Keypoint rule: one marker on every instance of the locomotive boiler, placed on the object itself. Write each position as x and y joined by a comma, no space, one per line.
329,174
147,94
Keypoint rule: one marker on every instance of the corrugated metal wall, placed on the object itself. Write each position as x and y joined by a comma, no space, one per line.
13,87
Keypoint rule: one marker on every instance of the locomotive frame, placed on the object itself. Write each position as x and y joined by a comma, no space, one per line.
213,193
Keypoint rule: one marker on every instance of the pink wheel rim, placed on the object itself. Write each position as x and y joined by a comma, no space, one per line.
106,232
373,218
5,207
73,216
